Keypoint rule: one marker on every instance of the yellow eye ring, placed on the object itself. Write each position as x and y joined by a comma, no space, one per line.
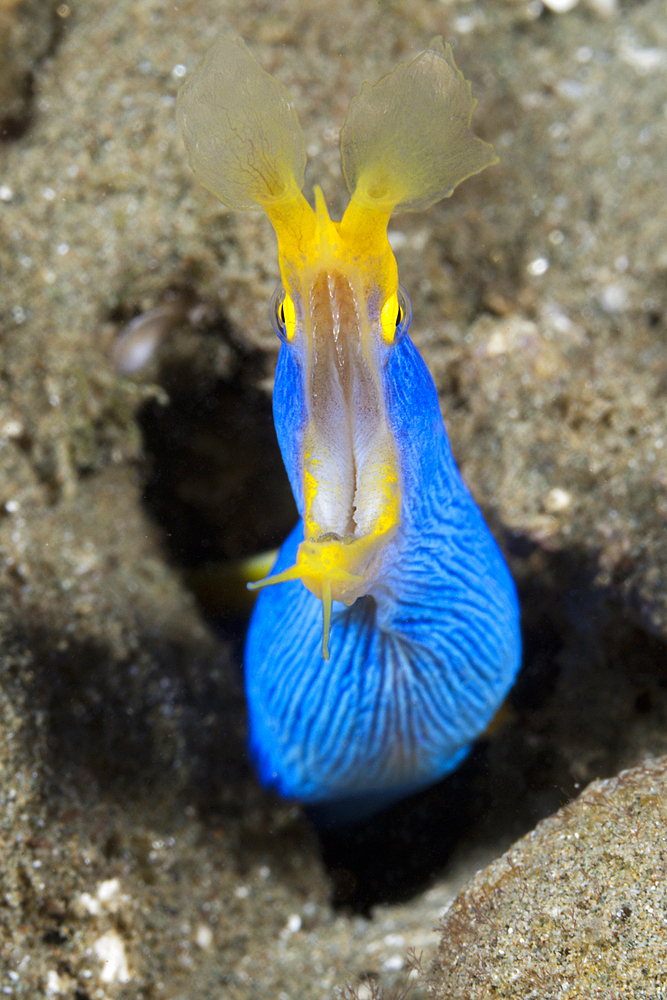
283,315
390,310
396,316
288,316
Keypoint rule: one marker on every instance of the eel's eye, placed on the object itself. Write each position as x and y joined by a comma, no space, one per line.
396,317
404,316
283,315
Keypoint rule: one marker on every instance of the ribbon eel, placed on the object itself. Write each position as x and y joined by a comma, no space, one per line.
387,635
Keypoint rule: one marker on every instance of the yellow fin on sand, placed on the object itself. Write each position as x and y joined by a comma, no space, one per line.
222,588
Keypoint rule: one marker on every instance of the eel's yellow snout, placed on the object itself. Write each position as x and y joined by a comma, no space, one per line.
405,144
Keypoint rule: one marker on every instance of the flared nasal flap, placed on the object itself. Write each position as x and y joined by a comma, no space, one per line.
406,141
240,129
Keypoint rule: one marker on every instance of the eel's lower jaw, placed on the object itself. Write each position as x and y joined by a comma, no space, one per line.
345,566
335,569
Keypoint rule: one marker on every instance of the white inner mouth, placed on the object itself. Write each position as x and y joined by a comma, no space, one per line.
348,447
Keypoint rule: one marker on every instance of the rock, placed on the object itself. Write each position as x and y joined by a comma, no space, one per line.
576,908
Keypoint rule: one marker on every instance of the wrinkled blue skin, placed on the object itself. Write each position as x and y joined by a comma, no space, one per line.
416,671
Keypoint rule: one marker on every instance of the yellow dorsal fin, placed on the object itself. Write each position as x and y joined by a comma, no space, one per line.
326,234
406,141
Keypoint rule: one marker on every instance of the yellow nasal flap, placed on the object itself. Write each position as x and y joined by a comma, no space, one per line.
245,143
406,141
240,128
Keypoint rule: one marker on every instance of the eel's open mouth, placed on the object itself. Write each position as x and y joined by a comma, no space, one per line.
351,482
350,471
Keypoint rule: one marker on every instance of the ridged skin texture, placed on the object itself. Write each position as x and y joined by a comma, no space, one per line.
418,667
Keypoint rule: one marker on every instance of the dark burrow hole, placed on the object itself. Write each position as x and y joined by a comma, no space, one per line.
29,34
216,482
591,697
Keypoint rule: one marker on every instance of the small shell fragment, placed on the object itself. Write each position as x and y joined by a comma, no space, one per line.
137,342
560,6
557,500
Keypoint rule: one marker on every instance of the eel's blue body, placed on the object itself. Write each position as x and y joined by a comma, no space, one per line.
416,671
421,637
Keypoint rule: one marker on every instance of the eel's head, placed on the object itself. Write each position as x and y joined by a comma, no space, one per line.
338,314
406,143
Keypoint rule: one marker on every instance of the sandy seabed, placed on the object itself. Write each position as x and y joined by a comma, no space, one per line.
138,855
